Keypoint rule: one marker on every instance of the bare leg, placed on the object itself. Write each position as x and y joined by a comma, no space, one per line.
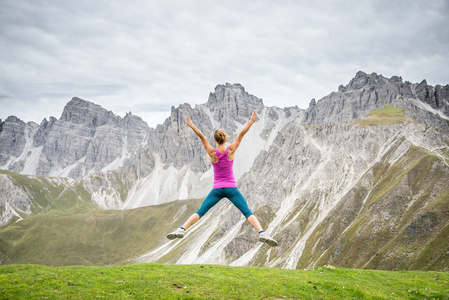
253,221
190,221
195,217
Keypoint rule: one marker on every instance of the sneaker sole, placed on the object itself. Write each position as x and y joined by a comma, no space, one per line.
263,240
272,243
172,236
269,242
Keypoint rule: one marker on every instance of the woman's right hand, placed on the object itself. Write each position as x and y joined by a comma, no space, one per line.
253,117
189,122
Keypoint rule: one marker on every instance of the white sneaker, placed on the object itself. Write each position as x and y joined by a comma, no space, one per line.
178,233
265,238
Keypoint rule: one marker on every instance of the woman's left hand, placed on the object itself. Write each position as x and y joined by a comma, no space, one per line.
189,122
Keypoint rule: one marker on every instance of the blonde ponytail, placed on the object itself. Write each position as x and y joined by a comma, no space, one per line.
220,136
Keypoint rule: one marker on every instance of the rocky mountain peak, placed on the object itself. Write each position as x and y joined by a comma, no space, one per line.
80,111
317,188
13,119
361,80
230,102
396,79
131,120
228,94
437,97
366,92
47,123
178,115
12,124
230,86
12,137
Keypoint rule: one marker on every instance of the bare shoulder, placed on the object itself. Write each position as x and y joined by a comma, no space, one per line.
213,156
231,154
233,147
210,150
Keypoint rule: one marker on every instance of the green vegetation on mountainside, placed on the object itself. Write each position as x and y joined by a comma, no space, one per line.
47,193
90,236
155,281
403,223
388,115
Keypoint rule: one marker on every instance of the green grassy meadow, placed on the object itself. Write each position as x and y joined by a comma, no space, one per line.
387,115
157,281
90,236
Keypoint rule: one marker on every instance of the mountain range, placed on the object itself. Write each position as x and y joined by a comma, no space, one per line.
358,179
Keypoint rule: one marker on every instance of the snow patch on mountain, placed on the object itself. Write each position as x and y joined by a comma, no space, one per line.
120,161
106,199
167,183
64,172
9,212
30,154
253,142
429,108
12,200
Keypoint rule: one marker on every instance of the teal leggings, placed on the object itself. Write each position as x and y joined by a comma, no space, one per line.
232,193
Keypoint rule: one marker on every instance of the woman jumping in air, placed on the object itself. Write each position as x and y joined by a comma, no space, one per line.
225,186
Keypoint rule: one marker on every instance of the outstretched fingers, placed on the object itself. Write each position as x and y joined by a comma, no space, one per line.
189,122
253,116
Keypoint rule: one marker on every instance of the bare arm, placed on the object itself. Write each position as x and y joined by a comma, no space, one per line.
209,149
233,147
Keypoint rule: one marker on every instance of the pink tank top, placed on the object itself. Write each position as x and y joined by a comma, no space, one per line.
223,174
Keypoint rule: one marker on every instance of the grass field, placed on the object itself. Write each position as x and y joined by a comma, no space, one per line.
90,236
388,115
157,281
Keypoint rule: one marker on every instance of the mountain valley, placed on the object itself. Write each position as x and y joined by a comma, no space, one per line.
359,179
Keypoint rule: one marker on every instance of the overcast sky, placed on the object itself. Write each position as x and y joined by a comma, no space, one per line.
145,56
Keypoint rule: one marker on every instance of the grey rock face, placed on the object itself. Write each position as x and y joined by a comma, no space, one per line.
313,178
353,101
12,198
12,138
316,182
22,195
368,91
178,144
44,128
16,139
91,136
232,103
437,97
85,139
88,114
170,139
110,189
88,138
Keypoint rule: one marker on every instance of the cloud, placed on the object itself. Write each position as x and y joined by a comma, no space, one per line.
146,56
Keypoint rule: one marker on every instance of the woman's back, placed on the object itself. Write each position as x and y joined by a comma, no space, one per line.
223,173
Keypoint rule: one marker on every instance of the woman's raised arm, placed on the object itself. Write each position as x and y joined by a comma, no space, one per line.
242,133
209,149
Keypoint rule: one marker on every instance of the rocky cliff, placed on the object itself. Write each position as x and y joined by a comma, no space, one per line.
358,179
367,91
85,139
